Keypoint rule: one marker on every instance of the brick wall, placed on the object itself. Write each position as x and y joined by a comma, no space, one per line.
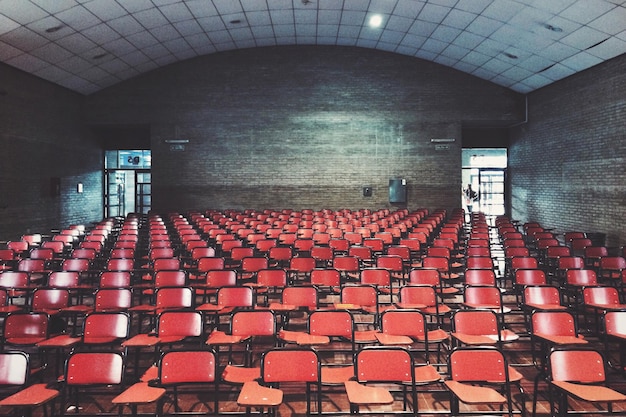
42,137
303,127
567,165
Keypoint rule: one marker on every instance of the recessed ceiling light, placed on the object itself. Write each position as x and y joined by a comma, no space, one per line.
376,20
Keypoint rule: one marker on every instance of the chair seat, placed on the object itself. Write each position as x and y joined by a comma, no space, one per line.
240,374
591,393
365,336
338,374
218,337
360,394
254,395
392,339
471,394
426,374
139,393
31,396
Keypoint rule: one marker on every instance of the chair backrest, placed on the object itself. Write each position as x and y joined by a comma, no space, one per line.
180,323
332,323
523,277
26,326
272,278
479,262
393,263
290,365
235,297
187,367
346,263
577,365
476,322
210,263
301,296
440,263
404,323
14,279
363,253
581,277
361,295
115,279
105,327
325,277
304,264
524,262
601,295
112,299
570,262
541,295
480,277
554,323
384,364
221,278
94,368
615,323
253,264
166,264
425,276
14,366
50,299
253,323
63,279
482,296
122,264
31,265
478,364
170,278
379,277
418,294
174,297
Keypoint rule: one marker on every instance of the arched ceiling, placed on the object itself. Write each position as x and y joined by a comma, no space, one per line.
87,45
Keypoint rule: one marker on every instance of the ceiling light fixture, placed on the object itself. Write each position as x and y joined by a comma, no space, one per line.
54,29
99,56
235,21
375,21
510,55
553,28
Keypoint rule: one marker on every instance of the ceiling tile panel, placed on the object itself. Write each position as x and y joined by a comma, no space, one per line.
519,44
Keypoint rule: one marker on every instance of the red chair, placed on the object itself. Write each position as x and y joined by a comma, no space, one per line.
615,332
112,299
90,373
371,370
348,267
479,376
432,277
194,370
15,381
180,326
479,327
300,268
25,329
105,329
485,297
580,374
304,368
326,280
250,266
246,329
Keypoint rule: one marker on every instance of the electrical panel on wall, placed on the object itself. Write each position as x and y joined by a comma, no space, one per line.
397,190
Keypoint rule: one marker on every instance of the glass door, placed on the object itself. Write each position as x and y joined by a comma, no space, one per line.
127,182
485,170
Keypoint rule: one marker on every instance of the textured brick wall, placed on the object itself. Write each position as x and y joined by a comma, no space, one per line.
568,163
303,127
42,137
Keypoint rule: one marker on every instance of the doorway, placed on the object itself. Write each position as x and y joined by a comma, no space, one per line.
127,182
485,169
